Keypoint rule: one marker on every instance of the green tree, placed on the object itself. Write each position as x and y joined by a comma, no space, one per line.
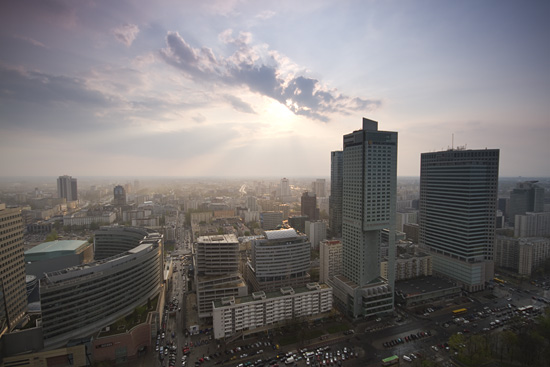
53,236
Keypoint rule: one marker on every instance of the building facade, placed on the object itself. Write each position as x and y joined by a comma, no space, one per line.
119,194
458,204
78,301
522,255
335,201
271,220
525,197
368,207
309,206
12,269
262,311
330,260
532,225
281,259
217,271
67,188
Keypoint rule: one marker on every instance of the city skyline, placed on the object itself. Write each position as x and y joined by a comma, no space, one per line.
267,89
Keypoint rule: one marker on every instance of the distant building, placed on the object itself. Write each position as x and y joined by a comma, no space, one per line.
67,188
522,255
525,197
55,255
532,225
405,216
335,201
252,204
316,231
281,259
411,231
458,204
263,310
330,260
309,206
298,223
86,218
426,290
119,194
12,269
319,187
285,188
271,220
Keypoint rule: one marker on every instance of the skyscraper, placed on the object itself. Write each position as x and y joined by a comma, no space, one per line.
368,206
319,187
309,206
525,197
12,267
285,188
67,188
335,200
458,203
119,196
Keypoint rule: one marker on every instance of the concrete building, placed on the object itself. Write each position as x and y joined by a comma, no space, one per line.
316,231
12,269
113,240
86,218
412,232
368,207
119,194
264,310
285,209
532,225
522,255
406,216
458,203
252,204
80,300
409,266
525,197
426,290
335,201
330,260
298,222
281,259
309,206
319,187
271,220
217,271
285,188
55,255
67,188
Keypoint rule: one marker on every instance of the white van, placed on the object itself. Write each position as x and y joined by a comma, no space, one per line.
289,360
407,358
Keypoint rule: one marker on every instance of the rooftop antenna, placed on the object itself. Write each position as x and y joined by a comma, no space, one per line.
453,141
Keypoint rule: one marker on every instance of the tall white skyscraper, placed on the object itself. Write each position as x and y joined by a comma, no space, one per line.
368,206
285,187
319,187
457,218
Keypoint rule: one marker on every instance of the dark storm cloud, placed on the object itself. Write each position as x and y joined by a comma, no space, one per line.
302,95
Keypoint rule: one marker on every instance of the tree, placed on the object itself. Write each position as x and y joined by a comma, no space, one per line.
53,236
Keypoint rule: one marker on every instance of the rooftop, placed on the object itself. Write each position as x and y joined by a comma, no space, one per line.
423,285
280,234
56,248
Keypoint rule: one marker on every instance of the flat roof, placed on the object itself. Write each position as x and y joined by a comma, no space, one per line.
222,238
276,294
280,234
48,250
423,285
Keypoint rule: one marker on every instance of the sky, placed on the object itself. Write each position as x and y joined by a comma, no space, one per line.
267,88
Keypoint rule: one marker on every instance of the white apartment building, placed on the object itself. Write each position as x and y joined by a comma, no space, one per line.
330,259
532,225
316,231
521,254
84,218
408,266
265,310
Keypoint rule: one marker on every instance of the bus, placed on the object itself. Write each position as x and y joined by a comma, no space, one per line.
499,280
390,361
460,311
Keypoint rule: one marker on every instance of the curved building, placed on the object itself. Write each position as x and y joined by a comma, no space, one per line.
111,241
78,301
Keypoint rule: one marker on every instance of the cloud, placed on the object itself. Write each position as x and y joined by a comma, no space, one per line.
199,118
261,72
266,14
238,104
30,40
126,33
